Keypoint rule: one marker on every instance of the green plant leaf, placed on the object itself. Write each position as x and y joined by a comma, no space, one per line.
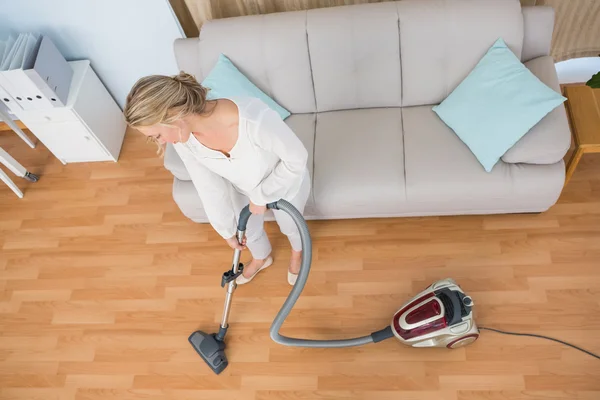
594,82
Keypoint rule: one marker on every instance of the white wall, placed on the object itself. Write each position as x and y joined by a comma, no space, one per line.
124,39
577,70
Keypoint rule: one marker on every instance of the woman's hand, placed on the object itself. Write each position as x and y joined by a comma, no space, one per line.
235,245
254,209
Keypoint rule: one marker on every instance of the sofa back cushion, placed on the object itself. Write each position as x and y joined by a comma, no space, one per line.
355,56
270,50
442,40
390,54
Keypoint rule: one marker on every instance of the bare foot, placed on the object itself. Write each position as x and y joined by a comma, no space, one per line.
252,267
295,262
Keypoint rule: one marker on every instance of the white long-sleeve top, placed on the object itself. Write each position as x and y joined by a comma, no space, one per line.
267,163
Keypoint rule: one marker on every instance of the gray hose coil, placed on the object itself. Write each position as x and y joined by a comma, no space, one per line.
289,303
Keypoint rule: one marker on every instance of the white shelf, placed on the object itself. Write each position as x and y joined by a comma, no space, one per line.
90,127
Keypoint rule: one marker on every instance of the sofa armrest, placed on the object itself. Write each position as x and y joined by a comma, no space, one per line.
538,26
174,163
549,140
187,55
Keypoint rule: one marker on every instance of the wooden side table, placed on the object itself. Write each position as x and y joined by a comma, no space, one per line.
583,110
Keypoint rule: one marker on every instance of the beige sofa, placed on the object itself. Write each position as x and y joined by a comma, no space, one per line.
360,82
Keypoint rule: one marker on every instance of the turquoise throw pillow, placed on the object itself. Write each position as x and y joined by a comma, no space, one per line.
226,81
496,104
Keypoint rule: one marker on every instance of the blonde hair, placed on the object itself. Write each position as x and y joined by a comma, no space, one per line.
161,99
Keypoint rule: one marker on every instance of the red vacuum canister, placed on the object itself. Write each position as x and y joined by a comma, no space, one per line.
439,316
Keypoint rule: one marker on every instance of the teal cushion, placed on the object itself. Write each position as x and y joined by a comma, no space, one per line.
496,104
225,81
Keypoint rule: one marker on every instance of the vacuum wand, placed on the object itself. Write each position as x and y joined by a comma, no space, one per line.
236,270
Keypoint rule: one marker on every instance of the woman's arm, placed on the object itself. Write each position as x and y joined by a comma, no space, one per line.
274,135
214,192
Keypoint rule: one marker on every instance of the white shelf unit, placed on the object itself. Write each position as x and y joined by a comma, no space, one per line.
91,127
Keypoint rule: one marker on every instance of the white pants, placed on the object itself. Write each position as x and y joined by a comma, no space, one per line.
256,238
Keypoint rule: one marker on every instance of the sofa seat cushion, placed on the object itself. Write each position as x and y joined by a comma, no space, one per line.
359,158
443,174
548,141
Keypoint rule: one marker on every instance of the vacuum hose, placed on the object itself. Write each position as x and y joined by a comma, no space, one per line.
289,303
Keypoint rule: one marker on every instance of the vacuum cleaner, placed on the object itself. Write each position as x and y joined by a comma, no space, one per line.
440,316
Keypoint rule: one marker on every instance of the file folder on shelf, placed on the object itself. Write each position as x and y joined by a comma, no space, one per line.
33,73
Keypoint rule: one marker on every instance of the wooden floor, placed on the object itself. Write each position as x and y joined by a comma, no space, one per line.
102,279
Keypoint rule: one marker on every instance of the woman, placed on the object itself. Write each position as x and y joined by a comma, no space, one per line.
237,151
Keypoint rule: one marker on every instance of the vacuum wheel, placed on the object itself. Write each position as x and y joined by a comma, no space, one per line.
31,177
463,341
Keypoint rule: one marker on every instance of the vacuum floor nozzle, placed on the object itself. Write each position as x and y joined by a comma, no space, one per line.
210,349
